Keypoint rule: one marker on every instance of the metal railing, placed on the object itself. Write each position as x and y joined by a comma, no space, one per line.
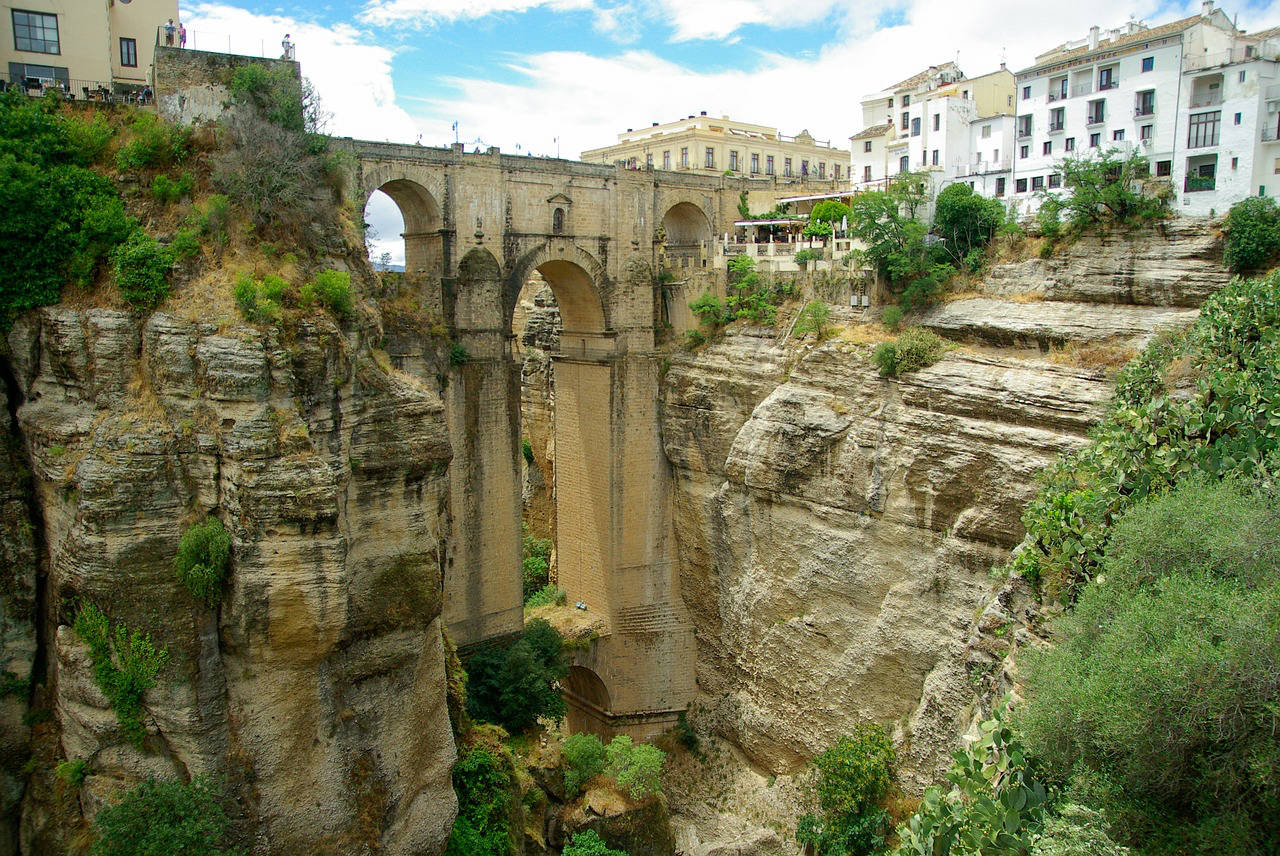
228,43
1057,96
1139,112
1237,54
1111,84
1196,183
1055,127
1097,119
75,89
1082,89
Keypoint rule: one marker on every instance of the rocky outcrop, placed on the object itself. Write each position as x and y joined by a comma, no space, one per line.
838,530
316,689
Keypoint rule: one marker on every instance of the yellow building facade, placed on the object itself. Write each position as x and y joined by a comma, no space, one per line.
82,43
714,146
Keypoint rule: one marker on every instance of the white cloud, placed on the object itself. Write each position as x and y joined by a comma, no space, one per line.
428,12
352,76
700,20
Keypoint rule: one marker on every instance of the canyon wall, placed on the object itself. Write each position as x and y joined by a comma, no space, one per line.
838,529
315,691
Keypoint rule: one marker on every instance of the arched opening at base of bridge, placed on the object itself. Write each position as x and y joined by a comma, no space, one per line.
687,234
612,514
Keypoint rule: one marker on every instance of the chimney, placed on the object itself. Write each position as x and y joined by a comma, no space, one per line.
1093,37
1206,8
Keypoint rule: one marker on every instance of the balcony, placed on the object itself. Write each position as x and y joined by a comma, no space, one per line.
1082,89
1111,84
1205,99
1197,183
1095,119
1270,135
1057,127
1237,54
1142,112
1057,96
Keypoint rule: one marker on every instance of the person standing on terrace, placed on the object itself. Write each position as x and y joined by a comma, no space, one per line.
168,33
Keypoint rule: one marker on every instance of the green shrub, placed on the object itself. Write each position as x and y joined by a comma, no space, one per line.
533,572
854,777
162,818
58,219
526,449
88,138
256,307
805,256
589,843
709,309
142,269
204,554
816,229
694,339
994,807
1253,234
1159,702
125,666
914,349
584,758
1101,186
548,595
1149,440
513,685
483,785
169,190
815,318
966,221
458,355
12,685
212,219
637,768
829,211
72,772
185,244
1077,831
154,143
331,289
891,317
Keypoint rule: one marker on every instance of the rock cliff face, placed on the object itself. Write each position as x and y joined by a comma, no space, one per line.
837,529
316,690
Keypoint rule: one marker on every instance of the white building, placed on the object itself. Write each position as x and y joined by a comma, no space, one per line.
928,122
1131,87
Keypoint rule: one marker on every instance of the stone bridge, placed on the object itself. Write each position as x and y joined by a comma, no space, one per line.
477,226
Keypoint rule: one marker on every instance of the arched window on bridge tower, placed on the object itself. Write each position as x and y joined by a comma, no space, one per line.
688,236
557,221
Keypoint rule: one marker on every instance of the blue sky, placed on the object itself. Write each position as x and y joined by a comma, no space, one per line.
542,76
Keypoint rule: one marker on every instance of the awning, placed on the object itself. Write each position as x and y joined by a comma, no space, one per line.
770,222
840,195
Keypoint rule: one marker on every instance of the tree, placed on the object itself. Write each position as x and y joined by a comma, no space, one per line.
815,318
1253,234
965,220
829,211
514,685
854,777
1101,187
589,843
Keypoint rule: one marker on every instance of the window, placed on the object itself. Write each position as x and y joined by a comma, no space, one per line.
1055,180
934,159
1277,166
890,103
1037,183
1026,92
906,118
822,169
1048,147
1202,130
995,155
1020,185
1024,151
733,161
557,221
648,161
710,160
1144,133
1097,112
906,100
1069,145
684,157
986,131
1164,168
937,121
1107,78
755,162
1094,140
804,167
1146,103
1000,186
1057,119
666,160
1148,63
1242,77
786,167
915,127
904,164
1009,98
129,53
1235,163
866,147
1118,136
1058,89
866,173
1024,126
35,32
1238,116
768,164
838,171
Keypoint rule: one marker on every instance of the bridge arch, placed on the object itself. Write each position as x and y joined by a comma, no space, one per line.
577,278
424,223
589,702
686,223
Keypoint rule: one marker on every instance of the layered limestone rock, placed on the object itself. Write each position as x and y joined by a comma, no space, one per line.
537,325
315,690
838,529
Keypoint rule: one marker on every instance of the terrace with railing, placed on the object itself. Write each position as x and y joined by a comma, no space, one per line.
74,89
